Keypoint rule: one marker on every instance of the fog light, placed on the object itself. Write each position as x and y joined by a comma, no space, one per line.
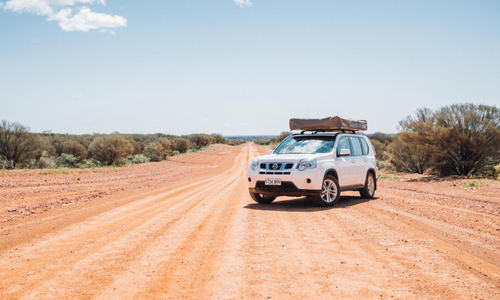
308,180
249,179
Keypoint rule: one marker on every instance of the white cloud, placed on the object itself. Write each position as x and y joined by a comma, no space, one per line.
86,20
61,11
243,3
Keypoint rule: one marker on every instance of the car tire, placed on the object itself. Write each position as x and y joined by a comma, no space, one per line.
368,191
330,192
262,199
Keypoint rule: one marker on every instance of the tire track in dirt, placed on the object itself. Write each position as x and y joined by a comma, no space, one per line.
191,263
449,258
123,222
123,219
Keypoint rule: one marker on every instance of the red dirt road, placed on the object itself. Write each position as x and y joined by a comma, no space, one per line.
187,228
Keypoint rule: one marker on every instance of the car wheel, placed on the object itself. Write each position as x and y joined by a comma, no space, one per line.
330,192
369,190
262,199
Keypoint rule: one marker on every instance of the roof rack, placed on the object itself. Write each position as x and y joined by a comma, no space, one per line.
332,131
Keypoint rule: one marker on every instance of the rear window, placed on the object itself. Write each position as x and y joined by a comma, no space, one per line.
355,146
364,146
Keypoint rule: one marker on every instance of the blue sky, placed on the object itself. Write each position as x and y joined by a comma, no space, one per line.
82,66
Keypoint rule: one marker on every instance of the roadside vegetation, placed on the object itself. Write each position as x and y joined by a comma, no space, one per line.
20,148
460,139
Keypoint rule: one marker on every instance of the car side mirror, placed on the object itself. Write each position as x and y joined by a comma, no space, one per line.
270,151
345,152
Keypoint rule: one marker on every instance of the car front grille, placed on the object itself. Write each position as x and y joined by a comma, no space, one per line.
276,166
274,173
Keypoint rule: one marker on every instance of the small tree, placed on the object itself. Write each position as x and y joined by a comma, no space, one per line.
110,149
17,145
462,139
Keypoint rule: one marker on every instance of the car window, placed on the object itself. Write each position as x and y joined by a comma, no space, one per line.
343,144
364,145
355,146
306,145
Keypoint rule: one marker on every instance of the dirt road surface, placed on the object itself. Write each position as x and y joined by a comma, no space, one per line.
187,228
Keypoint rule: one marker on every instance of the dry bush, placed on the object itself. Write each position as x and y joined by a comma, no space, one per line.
154,151
406,157
110,149
74,148
198,141
219,139
167,146
181,145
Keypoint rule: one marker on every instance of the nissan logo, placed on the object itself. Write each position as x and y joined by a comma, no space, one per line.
275,166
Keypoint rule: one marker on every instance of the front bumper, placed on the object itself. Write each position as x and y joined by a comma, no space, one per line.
296,183
285,189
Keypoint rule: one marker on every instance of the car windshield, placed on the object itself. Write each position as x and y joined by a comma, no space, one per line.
306,145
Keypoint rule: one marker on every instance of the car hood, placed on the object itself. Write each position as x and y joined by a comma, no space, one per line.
289,157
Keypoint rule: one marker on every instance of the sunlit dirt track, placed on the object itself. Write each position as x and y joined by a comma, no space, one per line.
194,232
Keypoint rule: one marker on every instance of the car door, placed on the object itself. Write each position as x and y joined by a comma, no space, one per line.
358,173
344,163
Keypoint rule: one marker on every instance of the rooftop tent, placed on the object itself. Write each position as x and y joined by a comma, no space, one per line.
327,124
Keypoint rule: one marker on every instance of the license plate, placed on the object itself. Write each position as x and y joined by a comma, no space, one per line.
270,181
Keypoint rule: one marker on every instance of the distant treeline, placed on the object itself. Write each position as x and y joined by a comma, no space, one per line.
20,148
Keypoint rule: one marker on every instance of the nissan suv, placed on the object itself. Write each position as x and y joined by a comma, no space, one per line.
318,164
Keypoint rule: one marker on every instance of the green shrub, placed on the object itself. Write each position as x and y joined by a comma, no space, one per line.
74,148
46,162
110,149
67,160
91,163
471,184
138,159
175,152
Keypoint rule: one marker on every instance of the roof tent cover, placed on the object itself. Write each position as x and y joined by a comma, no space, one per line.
327,124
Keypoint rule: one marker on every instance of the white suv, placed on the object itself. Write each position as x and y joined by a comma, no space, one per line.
318,165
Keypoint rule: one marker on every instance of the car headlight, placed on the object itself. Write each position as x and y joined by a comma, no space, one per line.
254,164
306,164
